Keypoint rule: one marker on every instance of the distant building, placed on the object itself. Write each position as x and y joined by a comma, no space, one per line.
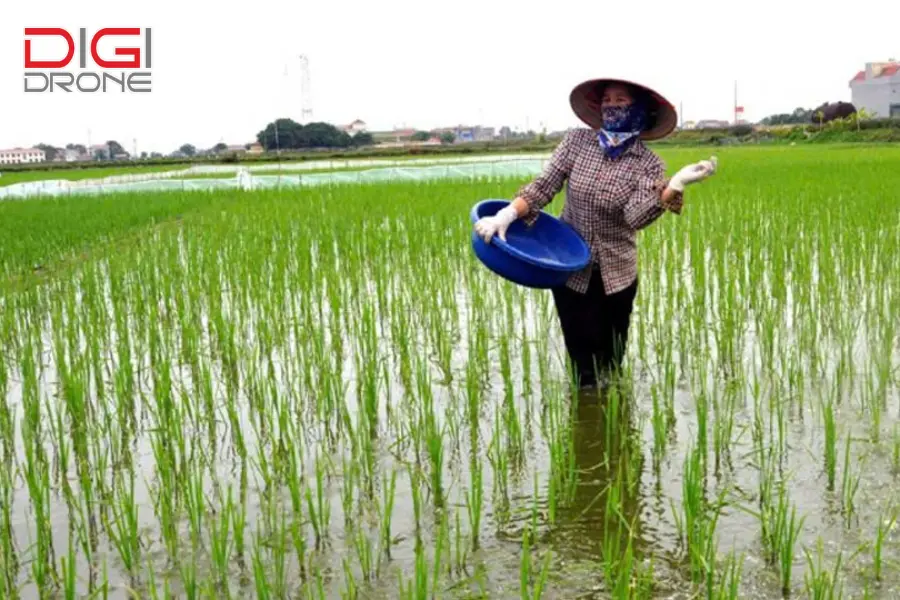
357,126
712,124
255,148
395,136
465,133
17,156
877,89
71,155
99,152
68,155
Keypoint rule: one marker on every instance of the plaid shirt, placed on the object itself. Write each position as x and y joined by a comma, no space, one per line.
607,201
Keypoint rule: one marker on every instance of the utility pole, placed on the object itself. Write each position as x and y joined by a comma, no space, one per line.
735,107
306,110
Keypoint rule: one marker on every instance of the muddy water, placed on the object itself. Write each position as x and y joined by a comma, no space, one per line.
576,536
290,399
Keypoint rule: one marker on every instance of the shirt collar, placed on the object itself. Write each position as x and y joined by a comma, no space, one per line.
637,148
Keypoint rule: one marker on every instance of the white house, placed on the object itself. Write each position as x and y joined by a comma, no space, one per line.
877,89
22,155
355,127
99,151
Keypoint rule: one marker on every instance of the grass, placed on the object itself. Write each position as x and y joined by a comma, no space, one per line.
321,393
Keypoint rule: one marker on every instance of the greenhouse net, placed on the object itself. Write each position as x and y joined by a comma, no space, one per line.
287,175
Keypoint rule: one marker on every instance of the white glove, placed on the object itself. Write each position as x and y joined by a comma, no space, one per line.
693,173
486,227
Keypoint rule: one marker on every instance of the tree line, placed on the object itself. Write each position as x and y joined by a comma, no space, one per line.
287,134
824,113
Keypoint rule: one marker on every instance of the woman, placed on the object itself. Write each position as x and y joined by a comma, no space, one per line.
616,187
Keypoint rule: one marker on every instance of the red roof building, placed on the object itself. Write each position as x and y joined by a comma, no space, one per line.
877,89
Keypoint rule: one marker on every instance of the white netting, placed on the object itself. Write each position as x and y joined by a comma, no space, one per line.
458,168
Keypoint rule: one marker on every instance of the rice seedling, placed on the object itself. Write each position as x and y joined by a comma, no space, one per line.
820,583
729,585
319,392
895,453
885,525
830,428
849,487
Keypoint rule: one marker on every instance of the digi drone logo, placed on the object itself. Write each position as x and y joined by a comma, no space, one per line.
50,52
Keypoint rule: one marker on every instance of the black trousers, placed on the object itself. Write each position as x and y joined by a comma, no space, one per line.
595,327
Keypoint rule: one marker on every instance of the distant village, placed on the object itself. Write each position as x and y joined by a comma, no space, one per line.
398,137
394,138
872,90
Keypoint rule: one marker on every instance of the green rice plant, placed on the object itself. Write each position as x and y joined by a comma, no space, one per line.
499,460
660,429
789,529
364,554
612,552
442,548
318,508
725,409
124,529
350,591
830,442
460,549
849,487
434,440
415,483
702,412
387,511
9,561
220,549
531,587
475,502
698,520
820,583
189,381
729,585
885,525
560,441
780,526
895,454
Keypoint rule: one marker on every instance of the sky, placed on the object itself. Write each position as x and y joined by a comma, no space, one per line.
222,74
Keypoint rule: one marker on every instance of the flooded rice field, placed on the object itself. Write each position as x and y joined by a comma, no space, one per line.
321,393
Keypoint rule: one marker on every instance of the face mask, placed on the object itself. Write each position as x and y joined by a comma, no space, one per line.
622,125
623,119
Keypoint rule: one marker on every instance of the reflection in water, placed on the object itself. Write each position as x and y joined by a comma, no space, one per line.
603,522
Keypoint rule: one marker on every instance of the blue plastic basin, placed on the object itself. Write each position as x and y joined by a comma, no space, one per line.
543,255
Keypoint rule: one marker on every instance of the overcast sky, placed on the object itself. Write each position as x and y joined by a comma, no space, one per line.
219,74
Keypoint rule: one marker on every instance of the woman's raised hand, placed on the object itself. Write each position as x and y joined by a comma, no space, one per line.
693,173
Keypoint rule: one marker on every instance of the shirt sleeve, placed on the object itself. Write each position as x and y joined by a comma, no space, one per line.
645,205
539,192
